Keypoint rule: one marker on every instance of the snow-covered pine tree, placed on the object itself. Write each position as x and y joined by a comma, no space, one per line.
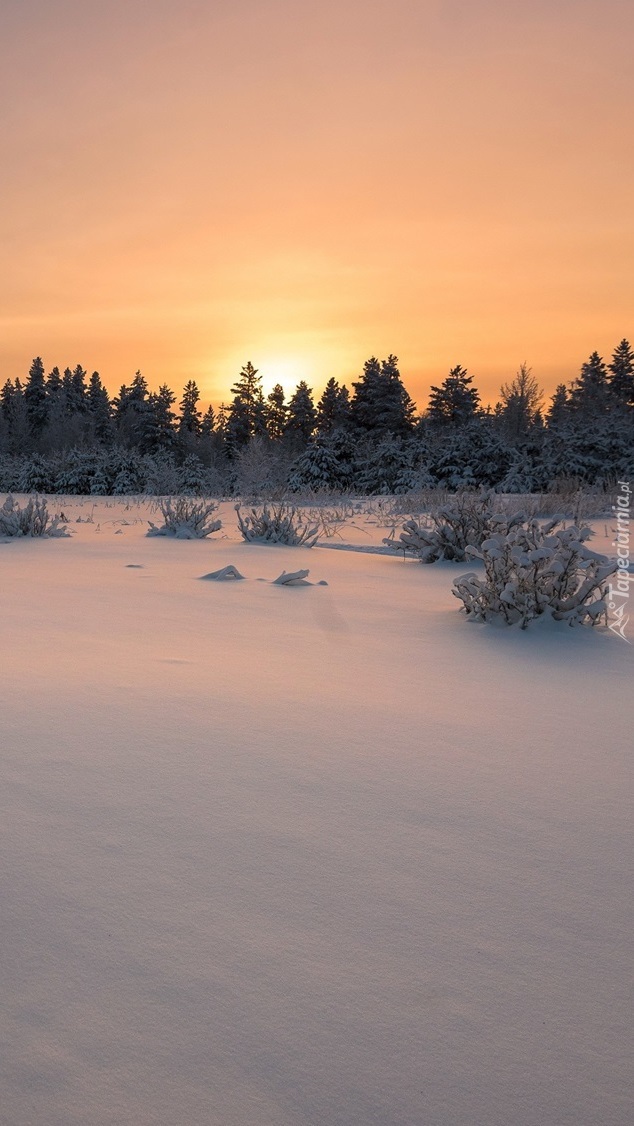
590,396
156,430
130,409
380,465
320,467
208,422
192,477
302,417
622,374
14,408
127,473
100,482
7,401
246,415
99,410
455,402
276,413
77,400
380,404
75,473
35,397
189,422
35,475
558,413
333,408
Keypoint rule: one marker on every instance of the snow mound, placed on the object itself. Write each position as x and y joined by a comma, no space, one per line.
224,574
295,578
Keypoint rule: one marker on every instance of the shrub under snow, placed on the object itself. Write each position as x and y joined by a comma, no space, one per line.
277,524
532,571
463,521
32,520
186,519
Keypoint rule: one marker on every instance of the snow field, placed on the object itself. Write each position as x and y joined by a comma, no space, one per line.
324,856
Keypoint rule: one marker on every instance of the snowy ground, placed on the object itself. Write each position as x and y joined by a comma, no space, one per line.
323,856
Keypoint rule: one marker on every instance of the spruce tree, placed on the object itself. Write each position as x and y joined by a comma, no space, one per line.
19,429
559,410
208,422
455,402
380,404
220,427
156,429
246,418
137,391
276,413
35,397
53,383
130,408
99,409
189,422
590,394
318,467
622,374
7,401
302,416
397,408
77,397
67,391
333,408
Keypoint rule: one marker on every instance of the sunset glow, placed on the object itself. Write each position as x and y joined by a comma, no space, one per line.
191,186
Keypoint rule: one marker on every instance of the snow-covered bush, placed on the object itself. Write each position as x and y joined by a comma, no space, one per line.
518,479
194,479
9,470
260,470
186,519
32,520
325,465
279,523
465,520
35,475
161,477
532,571
100,484
75,474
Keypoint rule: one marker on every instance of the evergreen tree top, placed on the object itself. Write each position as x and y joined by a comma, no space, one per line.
455,401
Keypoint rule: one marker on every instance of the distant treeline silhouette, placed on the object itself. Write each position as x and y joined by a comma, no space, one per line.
62,432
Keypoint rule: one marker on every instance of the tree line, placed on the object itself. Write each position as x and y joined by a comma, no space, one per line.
368,438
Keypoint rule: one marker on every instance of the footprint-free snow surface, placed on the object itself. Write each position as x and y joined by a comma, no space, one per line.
329,856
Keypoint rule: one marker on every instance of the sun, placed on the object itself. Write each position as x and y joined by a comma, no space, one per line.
286,369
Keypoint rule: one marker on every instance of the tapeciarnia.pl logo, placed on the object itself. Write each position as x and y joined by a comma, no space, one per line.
619,591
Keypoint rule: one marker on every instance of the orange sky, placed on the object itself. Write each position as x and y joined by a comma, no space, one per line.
303,183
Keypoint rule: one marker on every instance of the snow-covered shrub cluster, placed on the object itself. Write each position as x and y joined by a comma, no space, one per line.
465,520
186,519
533,570
32,520
278,523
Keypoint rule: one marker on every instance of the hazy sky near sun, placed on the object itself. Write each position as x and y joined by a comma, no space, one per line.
304,183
